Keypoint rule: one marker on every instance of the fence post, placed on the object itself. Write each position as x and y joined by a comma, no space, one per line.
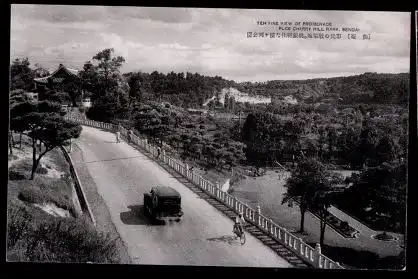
318,256
187,170
259,214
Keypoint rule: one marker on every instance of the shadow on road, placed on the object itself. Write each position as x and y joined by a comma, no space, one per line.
230,239
138,216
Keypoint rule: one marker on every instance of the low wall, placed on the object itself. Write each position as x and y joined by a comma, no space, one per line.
79,188
308,254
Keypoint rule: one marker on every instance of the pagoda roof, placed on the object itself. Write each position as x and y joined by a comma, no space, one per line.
67,70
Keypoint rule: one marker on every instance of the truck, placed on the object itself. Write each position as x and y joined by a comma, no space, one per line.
163,203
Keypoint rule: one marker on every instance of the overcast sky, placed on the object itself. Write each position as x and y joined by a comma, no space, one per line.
209,41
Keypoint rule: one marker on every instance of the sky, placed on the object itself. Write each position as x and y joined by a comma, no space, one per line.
210,41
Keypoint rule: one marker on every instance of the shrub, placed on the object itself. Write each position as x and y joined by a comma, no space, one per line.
82,109
55,239
344,225
47,193
18,223
16,175
41,170
71,240
32,195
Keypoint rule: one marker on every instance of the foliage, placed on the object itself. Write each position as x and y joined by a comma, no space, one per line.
21,75
311,185
53,239
42,122
109,89
268,138
370,88
18,96
379,195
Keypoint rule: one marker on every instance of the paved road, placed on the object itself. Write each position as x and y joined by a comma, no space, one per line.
122,175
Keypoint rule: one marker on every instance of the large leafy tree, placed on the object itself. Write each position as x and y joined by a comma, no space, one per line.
21,75
42,122
109,88
378,195
367,144
309,180
108,68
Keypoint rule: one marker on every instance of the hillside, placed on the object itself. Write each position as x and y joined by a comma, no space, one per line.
193,90
364,88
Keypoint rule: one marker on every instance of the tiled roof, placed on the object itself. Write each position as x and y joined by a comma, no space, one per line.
72,72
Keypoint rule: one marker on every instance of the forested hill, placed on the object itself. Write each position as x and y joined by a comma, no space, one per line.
364,88
192,90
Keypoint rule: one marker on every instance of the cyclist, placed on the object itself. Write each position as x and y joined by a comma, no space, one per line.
238,223
117,136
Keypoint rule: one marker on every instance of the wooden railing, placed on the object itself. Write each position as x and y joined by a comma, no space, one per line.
308,254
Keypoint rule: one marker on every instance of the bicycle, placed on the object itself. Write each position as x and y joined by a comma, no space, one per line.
239,233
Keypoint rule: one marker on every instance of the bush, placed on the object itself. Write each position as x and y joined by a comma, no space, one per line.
16,175
41,170
344,225
32,195
47,194
56,239
18,223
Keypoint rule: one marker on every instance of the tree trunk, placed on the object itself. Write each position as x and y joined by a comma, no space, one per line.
12,139
35,161
20,141
10,142
323,225
34,166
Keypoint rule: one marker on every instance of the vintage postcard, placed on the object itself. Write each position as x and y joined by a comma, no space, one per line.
208,137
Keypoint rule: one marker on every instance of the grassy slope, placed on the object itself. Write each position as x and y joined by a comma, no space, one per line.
34,234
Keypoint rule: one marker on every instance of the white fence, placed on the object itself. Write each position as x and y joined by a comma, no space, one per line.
311,256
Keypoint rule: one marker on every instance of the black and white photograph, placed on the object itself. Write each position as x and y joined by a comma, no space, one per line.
208,137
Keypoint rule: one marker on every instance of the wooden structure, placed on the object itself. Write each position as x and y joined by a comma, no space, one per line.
63,79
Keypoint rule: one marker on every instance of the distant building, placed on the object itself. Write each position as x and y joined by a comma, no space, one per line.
57,80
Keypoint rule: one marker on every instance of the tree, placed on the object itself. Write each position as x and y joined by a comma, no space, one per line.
17,96
367,144
378,195
308,179
90,79
324,197
21,75
134,89
40,71
107,67
43,122
109,88
347,143
331,140
387,149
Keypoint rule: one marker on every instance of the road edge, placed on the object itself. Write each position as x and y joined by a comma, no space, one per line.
78,187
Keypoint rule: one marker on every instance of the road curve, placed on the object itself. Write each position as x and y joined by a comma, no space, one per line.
122,175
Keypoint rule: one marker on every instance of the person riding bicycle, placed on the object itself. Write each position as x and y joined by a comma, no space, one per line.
117,136
238,223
